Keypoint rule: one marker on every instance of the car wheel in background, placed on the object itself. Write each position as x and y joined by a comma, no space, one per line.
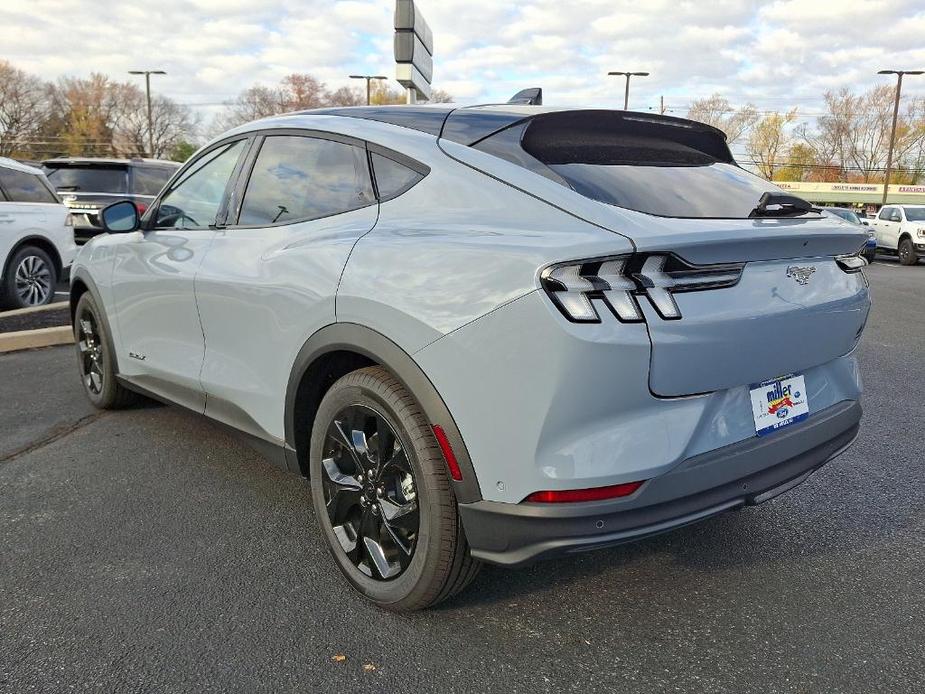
30,279
907,254
870,256
382,495
95,360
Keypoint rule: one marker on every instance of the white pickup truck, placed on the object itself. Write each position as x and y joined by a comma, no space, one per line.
900,229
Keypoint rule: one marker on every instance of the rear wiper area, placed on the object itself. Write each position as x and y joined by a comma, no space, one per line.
782,205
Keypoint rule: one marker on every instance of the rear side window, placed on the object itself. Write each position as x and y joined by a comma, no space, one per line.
392,177
150,179
89,179
20,186
664,167
300,178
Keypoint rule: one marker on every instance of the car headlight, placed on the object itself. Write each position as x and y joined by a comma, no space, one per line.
621,281
920,233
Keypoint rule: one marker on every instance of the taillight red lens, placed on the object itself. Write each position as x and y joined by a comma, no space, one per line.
614,491
448,455
142,207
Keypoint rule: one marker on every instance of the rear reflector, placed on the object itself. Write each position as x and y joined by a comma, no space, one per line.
448,454
594,494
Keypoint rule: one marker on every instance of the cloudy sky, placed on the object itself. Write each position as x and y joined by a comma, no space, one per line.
775,54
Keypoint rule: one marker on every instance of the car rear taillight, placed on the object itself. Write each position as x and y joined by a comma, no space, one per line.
142,207
566,496
619,282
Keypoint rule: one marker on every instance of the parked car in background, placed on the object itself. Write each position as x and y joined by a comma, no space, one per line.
532,354
36,237
870,248
900,230
87,185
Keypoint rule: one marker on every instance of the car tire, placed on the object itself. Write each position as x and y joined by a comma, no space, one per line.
870,257
29,280
368,419
95,360
907,254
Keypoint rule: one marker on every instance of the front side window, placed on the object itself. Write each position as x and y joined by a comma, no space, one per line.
196,197
20,186
299,178
885,213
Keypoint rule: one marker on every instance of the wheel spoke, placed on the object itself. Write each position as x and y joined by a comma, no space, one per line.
375,552
344,492
346,537
338,436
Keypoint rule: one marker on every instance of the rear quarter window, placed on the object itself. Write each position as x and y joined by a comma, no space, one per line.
392,177
19,186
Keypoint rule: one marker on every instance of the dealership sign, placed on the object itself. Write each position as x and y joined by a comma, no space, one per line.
854,192
414,49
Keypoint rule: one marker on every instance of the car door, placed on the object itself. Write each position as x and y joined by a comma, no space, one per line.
154,272
269,279
882,226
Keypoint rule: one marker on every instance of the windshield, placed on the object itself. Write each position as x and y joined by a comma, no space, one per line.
89,179
915,214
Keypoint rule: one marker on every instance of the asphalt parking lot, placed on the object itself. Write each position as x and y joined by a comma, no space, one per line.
148,550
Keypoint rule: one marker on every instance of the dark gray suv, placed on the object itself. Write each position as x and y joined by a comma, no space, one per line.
88,185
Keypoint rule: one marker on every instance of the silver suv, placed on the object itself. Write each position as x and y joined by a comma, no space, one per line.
486,334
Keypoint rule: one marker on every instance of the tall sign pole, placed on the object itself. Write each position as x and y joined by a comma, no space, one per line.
414,51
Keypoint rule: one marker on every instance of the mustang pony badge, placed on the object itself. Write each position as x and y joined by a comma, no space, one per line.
800,274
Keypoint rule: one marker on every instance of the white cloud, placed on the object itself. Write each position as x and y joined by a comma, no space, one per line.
777,54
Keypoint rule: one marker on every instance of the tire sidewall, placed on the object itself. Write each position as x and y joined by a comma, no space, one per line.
409,584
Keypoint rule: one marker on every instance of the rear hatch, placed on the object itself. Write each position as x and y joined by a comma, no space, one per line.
786,303
87,187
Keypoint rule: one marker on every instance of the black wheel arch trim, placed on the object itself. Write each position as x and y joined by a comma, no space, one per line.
353,337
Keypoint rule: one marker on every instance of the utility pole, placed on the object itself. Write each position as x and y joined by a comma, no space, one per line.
889,156
626,94
661,108
147,74
369,79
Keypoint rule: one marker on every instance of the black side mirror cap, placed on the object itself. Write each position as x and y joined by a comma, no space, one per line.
120,217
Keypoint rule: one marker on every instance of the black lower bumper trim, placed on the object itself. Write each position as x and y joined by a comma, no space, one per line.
748,472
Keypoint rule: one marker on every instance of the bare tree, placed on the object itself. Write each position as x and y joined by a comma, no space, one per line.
172,124
718,112
24,106
768,142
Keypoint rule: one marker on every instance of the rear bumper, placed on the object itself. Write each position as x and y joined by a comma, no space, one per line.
748,472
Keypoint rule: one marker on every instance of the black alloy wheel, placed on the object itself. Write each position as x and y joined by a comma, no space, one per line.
370,493
90,352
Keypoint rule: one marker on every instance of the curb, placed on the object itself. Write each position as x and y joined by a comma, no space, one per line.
31,339
32,309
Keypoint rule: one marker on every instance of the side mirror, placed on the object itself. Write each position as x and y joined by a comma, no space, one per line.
120,217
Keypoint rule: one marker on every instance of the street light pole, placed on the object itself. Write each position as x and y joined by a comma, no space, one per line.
147,74
626,94
889,156
369,79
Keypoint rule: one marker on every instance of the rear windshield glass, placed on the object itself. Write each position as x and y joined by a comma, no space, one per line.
88,179
664,167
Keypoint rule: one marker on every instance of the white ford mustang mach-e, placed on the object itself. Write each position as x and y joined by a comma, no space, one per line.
485,334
